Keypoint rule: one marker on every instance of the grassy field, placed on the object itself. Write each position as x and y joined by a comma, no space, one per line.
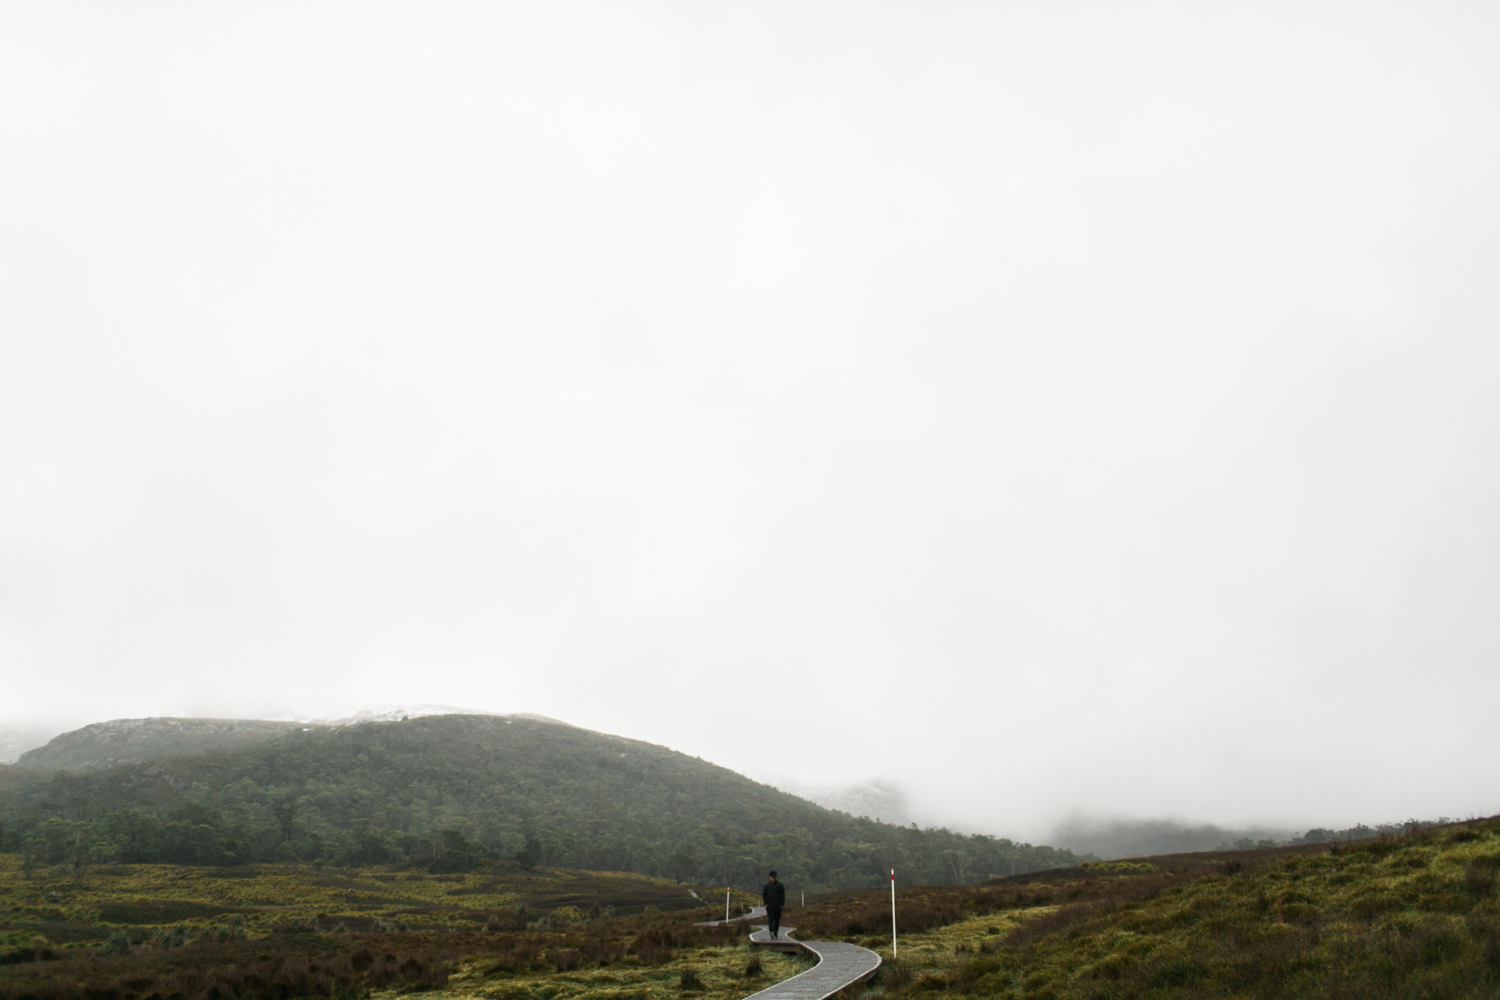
87,906
164,930
726,971
719,971
1410,916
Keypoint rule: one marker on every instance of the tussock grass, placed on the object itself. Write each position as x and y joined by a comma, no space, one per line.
115,933
650,952
90,904
1416,915
704,972
1408,916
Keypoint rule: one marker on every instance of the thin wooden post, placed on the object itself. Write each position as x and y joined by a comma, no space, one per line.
894,951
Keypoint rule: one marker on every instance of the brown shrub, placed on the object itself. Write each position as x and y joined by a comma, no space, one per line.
896,975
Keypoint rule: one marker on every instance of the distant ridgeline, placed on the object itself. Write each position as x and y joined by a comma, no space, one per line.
448,793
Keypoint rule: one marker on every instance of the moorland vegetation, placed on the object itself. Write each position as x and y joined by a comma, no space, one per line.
117,932
449,793
1397,916
1410,915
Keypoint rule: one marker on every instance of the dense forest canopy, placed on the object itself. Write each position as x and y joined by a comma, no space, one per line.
446,792
133,741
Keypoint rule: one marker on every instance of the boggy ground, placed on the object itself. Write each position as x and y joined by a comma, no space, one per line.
725,971
719,972
1410,916
117,932
87,906
637,951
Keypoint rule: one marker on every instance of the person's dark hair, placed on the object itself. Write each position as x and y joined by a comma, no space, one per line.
773,874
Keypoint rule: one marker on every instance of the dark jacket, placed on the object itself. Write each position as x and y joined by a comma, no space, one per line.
773,894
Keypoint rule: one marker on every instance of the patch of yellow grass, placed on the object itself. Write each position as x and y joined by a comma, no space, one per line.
951,946
277,892
721,971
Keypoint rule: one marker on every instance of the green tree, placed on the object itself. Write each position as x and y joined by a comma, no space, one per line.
285,810
67,842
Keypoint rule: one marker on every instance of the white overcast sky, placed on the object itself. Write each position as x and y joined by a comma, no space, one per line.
1048,407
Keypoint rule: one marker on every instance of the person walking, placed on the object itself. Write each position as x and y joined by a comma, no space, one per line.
773,894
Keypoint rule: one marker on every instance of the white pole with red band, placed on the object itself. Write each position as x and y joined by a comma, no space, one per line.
894,952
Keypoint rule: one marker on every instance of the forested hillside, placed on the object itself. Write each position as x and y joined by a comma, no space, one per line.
132,741
447,792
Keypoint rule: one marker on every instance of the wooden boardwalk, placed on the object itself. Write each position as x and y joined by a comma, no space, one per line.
756,913
839,964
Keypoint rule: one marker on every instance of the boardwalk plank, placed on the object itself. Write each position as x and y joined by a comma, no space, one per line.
839,964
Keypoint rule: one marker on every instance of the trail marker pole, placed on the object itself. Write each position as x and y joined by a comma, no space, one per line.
726,905
894,951
804,897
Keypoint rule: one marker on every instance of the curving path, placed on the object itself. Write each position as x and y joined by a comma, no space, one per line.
839,964
756,913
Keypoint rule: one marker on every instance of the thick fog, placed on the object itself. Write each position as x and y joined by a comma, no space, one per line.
1048,410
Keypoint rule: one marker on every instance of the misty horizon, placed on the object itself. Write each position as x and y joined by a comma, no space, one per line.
1045,411
1107,837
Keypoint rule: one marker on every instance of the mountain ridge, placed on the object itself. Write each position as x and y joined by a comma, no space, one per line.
445,792
131,741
